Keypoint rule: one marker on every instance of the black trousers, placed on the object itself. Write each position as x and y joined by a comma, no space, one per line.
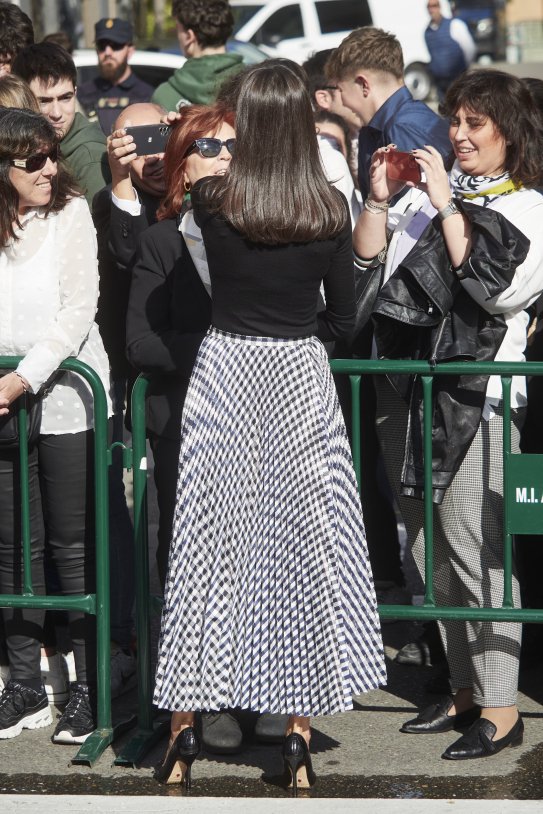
166,458
376,496
61,483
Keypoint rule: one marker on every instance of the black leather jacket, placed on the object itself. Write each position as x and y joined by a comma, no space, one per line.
424,312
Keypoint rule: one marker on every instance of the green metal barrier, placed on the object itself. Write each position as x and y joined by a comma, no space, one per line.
98,603
149,731
523,489
513,468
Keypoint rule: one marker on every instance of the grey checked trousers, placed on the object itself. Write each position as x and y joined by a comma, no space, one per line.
468,550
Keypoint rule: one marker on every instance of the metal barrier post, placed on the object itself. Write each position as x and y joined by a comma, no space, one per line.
25,502
355,426
149,731
95,744
507,537
429,600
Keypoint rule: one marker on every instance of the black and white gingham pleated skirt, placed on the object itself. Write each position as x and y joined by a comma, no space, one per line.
269,601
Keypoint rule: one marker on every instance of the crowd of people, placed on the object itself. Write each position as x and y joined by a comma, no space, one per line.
278,227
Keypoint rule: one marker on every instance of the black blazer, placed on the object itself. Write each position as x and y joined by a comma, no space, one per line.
125,229
169,312
117,234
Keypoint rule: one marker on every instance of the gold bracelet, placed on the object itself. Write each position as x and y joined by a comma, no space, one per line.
374,207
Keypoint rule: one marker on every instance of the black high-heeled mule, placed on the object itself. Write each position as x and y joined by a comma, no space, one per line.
177,765
298,769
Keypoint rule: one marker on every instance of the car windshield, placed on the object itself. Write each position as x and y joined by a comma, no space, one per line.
243,14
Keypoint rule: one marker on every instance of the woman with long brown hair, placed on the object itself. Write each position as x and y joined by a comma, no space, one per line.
49,279
269,601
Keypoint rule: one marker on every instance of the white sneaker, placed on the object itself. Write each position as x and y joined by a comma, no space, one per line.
4,675
54,675
123,668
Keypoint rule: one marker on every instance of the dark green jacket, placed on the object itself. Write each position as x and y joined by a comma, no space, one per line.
197,81
84,149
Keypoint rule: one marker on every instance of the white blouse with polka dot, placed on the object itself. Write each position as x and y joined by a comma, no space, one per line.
48,301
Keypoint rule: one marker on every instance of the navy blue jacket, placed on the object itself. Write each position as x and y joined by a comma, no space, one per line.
405,122
103,101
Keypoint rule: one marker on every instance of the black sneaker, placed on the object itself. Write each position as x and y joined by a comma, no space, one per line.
22,708
77,721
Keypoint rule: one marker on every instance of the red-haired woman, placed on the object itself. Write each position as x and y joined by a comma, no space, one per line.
169,309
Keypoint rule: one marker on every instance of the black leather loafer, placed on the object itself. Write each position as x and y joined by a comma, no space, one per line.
435,719
477,742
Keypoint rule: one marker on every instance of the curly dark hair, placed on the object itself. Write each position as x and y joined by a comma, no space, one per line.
507,101
24,133
16,31
211,20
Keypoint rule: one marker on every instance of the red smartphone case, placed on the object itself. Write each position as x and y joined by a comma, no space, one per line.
402,166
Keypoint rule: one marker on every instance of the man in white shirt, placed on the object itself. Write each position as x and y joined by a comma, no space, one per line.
451,47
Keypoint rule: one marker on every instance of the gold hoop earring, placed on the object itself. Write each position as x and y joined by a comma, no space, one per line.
187,186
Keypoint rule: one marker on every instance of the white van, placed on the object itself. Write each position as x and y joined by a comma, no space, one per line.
297,28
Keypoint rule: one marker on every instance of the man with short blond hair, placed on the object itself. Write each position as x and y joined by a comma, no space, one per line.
368,71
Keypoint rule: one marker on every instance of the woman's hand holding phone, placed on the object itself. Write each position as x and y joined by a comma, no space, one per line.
436,184
402,166
382,187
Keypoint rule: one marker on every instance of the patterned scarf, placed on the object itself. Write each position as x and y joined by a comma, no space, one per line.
484,187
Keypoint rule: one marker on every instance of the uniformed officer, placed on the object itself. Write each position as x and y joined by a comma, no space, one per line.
105,96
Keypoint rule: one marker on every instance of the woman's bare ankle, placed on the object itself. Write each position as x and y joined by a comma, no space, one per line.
300,725
179,722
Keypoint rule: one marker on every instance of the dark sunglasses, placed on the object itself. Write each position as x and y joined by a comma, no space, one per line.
36,162
101,45
211,147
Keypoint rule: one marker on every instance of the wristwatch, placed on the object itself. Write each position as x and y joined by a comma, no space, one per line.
450,209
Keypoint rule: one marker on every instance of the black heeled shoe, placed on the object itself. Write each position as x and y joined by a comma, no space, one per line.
179,758
298,769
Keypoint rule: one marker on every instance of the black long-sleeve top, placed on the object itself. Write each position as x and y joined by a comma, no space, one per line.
261,290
